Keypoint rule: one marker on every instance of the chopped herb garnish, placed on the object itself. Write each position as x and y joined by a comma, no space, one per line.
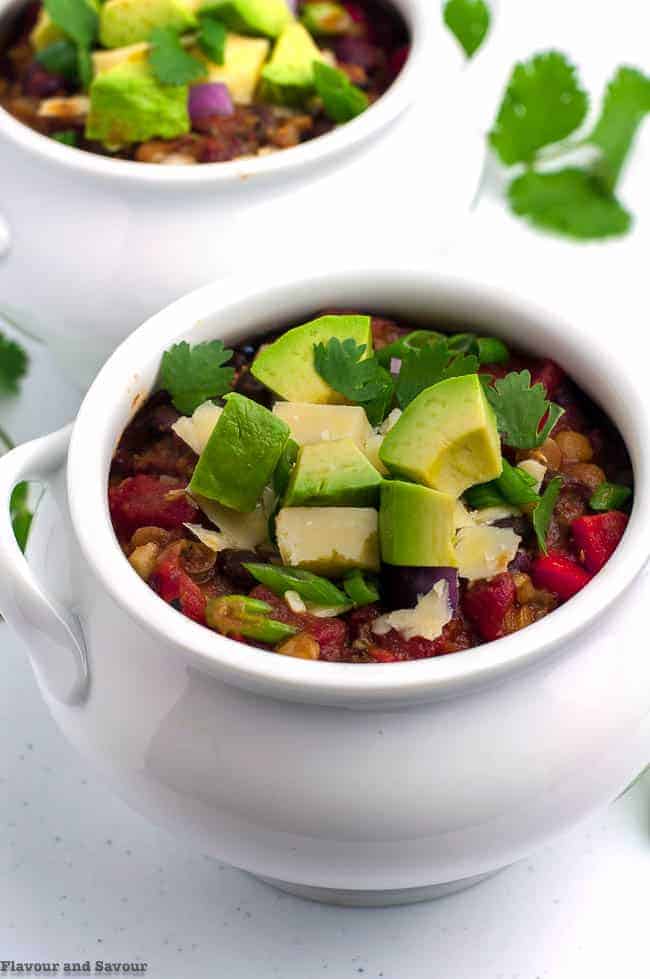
483,496
341,99
170,62
13,365
469,22
195,374
544,510
79,20
21,515
60,58
68,137
310,587
571,202
361,380
626,103
609,496
490,350
420,369
521,409
359,589
211,38
516,485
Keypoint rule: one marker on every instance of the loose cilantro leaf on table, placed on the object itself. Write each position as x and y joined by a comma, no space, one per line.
363,381
469,22
422,368
193,375
13,365
543,104
626,103
170,62
21,515
341,99
572,202
212,38
520,409
544,510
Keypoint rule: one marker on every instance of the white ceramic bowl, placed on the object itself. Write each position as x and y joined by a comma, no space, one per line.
357,784
90,247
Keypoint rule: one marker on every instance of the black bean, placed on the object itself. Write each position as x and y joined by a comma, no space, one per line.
230,563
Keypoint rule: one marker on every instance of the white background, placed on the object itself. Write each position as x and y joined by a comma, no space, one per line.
81,877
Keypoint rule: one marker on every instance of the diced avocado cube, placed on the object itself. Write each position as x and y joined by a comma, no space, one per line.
241,454
132,53
446,438
46,32
128,105
266,17
288,78
416,526
287,365
244,58
328,540
333,474
125,22
321,423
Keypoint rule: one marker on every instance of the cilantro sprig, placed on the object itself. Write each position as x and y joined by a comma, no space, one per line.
79,21
469,22
420,369
525,418
544,104
195,374
13,367
170,62
360,379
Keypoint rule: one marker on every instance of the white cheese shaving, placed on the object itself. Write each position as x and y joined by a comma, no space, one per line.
491,514
462,516
326,611
211,538
535,469
196,431
242,530
427,619
482,552
390,420
374,441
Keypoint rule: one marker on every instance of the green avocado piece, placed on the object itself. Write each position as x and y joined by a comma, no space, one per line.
128,105
416,526
287,365
124,22
333,474
446,438
267,17
241,454
288,78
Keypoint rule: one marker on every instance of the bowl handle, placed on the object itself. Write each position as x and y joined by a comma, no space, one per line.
54,636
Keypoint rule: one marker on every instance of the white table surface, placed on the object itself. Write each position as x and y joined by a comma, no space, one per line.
84,878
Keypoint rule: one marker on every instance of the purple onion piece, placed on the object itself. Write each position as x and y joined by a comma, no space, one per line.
403,585
395,366
209,99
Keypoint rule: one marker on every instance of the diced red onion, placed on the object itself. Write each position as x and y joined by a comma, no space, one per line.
210,99
402,585
395,366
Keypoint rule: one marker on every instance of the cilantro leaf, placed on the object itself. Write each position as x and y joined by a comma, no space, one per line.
341,99
85,66
68,137
626,103
21,515
544,510
422,368
469,22
193,375
170,62
520,409
543,104
363,381
212,38
13,365
60,58
572,202
77,19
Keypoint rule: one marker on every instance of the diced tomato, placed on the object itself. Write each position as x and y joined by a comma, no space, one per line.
383,655
145,501
487,602
173,584
559,574
548,373
598,536
331,634
397,59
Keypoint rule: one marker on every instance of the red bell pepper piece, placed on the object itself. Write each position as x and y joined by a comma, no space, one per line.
487,602
598,536
175,586
559,574
149,501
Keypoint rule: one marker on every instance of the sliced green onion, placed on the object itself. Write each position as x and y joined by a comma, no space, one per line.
482,496
239,615
66,136
492,351
516,485
407,344
544,510
310,587
359,589
609,496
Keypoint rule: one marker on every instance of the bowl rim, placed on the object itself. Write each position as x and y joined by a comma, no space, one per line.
131,371
392,104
